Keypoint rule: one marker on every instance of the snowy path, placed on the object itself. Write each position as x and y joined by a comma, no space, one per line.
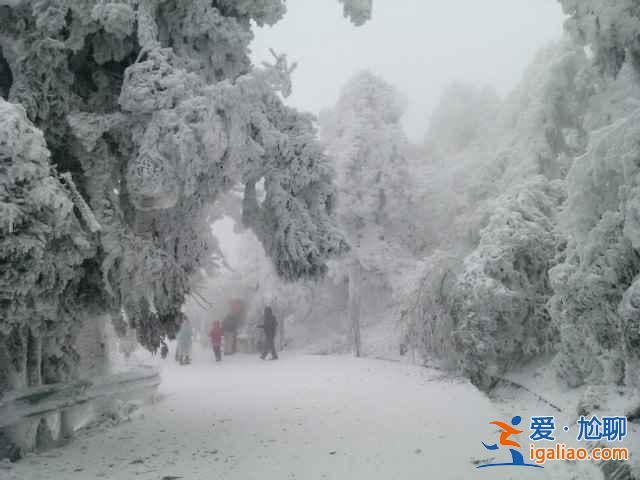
299,418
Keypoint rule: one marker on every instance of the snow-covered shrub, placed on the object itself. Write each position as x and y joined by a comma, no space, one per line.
427,326
498,303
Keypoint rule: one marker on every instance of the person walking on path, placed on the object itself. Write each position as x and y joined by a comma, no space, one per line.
270,325
185,340
215,334
229,327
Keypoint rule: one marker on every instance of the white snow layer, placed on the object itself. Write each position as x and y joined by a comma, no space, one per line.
298,418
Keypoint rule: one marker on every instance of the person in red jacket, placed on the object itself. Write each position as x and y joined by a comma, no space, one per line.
215,334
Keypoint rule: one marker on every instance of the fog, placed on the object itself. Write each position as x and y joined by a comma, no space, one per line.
419,46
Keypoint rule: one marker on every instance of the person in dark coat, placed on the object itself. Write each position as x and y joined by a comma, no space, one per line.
230,328
270,325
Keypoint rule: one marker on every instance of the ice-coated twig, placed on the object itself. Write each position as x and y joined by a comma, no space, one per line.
84,209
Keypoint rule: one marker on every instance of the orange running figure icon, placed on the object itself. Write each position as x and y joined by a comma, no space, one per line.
507,431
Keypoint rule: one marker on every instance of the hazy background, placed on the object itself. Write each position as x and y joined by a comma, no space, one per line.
418,45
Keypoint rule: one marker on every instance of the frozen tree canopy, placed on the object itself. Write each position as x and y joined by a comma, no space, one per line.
359,11
121,123
595,284
610,27
364,135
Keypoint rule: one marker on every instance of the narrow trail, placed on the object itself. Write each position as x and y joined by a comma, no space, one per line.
298,418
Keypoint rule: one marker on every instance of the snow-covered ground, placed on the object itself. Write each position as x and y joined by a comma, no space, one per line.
301,417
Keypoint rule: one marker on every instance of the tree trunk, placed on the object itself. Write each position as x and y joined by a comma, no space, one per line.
355,279
34,359
281,333
16,345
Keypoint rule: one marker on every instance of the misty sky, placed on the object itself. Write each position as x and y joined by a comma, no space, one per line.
417,45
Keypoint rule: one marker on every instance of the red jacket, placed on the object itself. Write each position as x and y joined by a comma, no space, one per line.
215,334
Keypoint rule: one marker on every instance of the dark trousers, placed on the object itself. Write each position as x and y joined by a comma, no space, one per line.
269,346
230,343
218,353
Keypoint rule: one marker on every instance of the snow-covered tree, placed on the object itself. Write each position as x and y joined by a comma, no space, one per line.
495,314
594,301
595,284
151,110
464,116
609,27
498,302
364,135
462,134
553,260
43,248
